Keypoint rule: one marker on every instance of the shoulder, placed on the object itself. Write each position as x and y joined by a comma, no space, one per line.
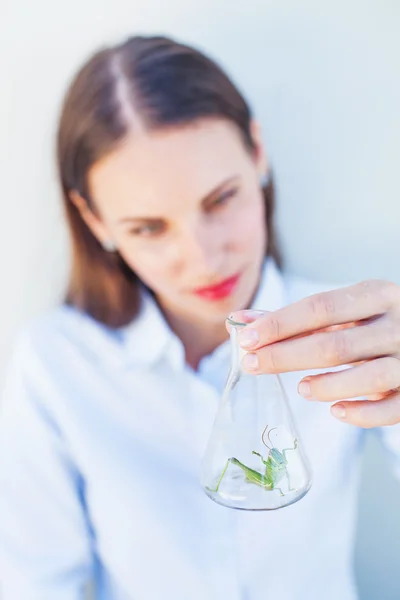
57,360
62,333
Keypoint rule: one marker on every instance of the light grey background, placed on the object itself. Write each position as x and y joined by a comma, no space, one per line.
323,78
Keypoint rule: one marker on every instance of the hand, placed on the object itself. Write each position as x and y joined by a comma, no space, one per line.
357,326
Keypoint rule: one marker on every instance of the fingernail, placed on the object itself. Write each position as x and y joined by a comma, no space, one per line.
304,388
250,362
248,338
338,411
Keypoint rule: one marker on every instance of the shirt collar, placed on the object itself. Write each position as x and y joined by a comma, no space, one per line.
148,338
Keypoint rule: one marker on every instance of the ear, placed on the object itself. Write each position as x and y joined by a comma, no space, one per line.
94,222
261,158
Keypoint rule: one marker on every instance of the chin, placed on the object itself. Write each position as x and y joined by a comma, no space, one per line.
219,310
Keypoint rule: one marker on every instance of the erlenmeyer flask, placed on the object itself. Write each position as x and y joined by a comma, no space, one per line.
254,458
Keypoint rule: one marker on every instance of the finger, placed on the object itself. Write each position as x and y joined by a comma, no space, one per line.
372,379
245,317
345,305
328,349
369,414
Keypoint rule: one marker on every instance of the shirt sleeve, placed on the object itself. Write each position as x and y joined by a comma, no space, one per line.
45,541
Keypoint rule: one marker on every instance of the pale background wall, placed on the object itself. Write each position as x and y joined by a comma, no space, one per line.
324,80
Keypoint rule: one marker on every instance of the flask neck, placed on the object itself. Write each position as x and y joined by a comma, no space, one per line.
237,352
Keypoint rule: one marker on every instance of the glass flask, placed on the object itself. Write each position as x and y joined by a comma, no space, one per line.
254,459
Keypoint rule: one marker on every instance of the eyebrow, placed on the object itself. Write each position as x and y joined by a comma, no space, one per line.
206,198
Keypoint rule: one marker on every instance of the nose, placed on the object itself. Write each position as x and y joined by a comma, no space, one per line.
202,249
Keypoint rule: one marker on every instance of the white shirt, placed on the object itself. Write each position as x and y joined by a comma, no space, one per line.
103,432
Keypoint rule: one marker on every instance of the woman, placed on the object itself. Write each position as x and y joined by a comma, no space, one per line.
111,397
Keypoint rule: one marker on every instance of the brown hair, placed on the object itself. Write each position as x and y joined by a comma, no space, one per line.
166,83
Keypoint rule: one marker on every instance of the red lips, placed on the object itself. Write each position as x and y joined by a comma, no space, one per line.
221,290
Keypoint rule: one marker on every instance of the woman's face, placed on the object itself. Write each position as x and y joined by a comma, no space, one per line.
185,210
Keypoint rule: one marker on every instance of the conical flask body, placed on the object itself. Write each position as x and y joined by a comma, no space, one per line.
254,459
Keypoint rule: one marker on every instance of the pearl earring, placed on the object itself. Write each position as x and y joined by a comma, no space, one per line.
109,246
264,180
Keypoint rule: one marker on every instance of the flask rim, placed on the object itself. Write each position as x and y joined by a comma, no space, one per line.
236,323
255,314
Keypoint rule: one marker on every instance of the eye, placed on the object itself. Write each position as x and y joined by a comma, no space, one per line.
149,230
223,198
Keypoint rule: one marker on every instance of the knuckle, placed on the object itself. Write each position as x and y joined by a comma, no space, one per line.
396,372
389,293
393,335
270,360
382,292
273,328
337,349
322,308
383,376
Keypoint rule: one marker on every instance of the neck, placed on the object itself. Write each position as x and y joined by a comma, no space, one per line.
198,337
